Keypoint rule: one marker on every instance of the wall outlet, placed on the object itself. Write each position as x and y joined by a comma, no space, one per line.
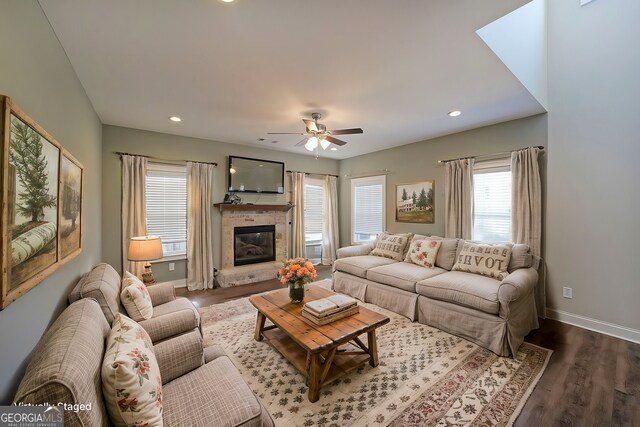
567,292
172,266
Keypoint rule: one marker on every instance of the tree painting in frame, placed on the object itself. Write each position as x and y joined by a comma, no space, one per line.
30,170
70,222
415,202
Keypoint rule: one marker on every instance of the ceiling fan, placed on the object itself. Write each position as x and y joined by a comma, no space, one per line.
318,135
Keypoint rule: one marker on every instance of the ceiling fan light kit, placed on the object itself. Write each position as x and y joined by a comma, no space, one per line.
318,135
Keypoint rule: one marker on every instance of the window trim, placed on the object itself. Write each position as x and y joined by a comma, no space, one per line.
382,179
493,166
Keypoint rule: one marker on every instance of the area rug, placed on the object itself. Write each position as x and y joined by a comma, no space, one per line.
426,377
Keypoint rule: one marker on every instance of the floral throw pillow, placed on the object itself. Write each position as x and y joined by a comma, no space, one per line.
423,252
487,260
131,381
135,298
391,245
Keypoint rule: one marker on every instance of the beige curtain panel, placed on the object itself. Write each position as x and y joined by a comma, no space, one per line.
297,228
526,212
134,172
458,199
199,247
330,236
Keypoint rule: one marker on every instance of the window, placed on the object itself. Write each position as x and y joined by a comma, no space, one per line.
313,217
166,194
492,201
367,208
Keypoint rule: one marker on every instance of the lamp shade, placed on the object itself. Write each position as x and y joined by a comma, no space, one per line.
145,248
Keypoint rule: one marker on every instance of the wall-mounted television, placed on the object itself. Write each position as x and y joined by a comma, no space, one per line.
248,175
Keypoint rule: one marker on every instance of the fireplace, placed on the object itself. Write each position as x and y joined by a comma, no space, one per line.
254,244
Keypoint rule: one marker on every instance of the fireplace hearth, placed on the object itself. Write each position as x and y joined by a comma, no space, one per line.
254,244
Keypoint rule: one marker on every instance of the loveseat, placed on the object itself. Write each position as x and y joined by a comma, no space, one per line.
171,315
200,387
495,314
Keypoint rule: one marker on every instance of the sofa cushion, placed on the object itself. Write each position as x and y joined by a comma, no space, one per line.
520,257
229,400
131,381
467,289
65,365
402,275
423,252
487,260
135,298
447,253
391,246
102,283
358,265
172,318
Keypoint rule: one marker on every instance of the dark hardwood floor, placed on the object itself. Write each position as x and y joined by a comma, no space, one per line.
591,379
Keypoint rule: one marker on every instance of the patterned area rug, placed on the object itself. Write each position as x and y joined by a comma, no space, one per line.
426,377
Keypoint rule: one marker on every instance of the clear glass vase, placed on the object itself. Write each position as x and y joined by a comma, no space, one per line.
296,292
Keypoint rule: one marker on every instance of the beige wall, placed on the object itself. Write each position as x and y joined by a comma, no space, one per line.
593,232
418,162
166,146
36,74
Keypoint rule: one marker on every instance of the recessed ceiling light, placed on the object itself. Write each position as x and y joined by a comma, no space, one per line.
175,119
227,1
334,149
454,113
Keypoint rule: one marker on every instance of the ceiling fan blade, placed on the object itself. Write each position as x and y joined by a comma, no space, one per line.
284,133
304,141
335,140
345,131
311,125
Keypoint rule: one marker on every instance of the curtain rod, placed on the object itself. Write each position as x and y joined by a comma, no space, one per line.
310,173
368,174
489,155
120,153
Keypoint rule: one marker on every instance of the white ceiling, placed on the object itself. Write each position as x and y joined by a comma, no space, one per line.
235,71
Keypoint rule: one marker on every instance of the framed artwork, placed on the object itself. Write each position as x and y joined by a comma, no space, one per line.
70,220
31,178
415,202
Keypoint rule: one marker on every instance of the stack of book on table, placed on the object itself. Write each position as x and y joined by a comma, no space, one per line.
329,309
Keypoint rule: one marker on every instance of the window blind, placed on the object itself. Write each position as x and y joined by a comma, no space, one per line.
492,204
166,204
313,201
367,208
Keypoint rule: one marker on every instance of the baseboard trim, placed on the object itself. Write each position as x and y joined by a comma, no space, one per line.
180,283
618,331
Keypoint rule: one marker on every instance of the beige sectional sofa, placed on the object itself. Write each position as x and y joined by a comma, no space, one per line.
495,314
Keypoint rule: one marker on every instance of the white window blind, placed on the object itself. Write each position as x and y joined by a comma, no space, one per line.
492,202
367,208
313,201
166,194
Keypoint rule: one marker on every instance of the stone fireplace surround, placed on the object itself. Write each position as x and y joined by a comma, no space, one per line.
244,215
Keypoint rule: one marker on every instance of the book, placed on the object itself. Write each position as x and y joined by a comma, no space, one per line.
332,317
333,304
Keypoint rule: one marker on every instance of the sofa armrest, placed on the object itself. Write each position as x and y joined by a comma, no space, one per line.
170,324
515,286
355,250
179,355
161,293
213,352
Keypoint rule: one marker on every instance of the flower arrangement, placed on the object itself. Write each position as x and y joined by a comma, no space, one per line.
297,272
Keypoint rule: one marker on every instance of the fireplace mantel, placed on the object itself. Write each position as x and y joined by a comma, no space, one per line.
247,207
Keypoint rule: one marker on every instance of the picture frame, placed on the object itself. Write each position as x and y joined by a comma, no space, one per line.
30,179
70,211
415,202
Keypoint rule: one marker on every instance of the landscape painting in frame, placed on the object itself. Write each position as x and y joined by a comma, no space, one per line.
415,202
70,223
30,178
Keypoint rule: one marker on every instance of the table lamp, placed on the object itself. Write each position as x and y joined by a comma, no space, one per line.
145,248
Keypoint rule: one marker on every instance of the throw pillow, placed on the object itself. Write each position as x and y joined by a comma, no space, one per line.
131,381
423,252
391,246
135,298
487,260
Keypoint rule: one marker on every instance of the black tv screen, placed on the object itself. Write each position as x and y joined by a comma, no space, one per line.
255,176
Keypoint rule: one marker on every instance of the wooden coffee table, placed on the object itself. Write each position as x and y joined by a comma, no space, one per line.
321,353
